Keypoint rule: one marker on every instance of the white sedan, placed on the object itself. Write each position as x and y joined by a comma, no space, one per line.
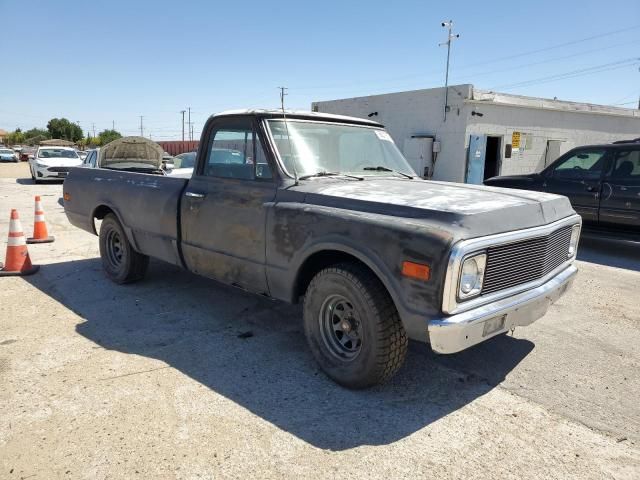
53,163
7,155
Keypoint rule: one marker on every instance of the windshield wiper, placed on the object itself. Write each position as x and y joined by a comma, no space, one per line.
329,174
380,168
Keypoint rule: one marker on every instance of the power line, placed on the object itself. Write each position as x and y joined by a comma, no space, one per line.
304,88
549,60
552,47
572,74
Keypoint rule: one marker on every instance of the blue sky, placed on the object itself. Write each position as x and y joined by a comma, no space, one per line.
98,62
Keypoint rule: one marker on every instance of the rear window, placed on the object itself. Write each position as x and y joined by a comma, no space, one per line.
56,153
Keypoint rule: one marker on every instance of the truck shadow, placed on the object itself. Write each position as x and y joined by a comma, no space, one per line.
609,251
252,351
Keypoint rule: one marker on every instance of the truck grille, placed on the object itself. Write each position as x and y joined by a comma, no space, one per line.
58,169
525,261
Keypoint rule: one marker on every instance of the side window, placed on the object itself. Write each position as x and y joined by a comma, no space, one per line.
626,165
235,153
586,164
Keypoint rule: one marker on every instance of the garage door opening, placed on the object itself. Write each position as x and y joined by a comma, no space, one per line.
492,158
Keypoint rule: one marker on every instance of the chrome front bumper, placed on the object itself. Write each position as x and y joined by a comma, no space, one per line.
458,332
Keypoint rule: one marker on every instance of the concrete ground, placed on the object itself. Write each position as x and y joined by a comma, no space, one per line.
156,379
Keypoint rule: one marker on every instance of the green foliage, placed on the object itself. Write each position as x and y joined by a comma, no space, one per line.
36,132
107,136
64,129
15,138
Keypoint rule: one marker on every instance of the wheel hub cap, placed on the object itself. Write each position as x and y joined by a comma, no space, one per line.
340,328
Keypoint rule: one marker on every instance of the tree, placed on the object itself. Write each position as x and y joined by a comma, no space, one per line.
40,133
107,136
64,129
16,137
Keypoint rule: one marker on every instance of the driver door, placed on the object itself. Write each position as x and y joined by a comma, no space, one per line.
578,176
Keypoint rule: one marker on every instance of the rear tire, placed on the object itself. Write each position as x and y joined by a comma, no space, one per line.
352,326
120,262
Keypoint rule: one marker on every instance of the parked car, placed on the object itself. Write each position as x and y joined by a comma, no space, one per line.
601,181
53,163
183,164
82,154
325,209
91,158
8,155
27,153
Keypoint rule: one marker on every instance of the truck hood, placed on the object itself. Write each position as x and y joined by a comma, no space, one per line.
131,152
472,210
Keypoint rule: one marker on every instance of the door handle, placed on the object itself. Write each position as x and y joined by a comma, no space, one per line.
591,188
195,194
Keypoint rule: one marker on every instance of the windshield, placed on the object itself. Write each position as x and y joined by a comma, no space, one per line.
317,147
185,160
56,153
4,150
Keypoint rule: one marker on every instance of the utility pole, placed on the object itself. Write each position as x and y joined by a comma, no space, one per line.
113,124
141,128
189,121
283,92
450,36
190,130
182,112
93,127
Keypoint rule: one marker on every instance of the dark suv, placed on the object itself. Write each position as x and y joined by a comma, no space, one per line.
601,181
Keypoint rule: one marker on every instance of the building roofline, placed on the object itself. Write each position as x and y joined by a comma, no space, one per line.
473,95
480,97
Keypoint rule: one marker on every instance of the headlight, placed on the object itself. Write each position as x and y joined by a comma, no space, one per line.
573,242
471,276
41,165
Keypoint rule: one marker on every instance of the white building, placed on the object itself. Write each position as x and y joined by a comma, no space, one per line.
486,133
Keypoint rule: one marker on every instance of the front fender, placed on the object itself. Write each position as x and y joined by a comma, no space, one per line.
296,231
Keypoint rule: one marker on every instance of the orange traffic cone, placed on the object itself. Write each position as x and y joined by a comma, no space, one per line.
17,261
40,234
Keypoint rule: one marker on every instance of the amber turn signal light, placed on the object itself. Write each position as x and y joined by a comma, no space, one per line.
66,197
416,270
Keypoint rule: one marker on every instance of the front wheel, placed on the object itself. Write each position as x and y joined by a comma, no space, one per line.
352,326
120,262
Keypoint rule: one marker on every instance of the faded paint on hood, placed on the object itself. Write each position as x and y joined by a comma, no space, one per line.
473,210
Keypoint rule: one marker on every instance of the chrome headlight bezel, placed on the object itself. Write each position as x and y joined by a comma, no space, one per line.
574,240
479,262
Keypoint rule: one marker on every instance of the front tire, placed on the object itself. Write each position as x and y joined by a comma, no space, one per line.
352,326
120,262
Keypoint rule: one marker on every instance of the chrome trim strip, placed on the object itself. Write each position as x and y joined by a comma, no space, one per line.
459,332
460,250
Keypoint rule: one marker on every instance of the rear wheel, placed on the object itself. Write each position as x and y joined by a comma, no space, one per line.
121,263
353,327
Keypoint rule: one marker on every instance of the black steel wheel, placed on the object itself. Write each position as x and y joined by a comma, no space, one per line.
120,262
352,326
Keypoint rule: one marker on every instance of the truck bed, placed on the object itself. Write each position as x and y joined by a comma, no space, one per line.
147,206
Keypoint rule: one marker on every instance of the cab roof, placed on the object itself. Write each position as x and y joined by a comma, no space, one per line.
299,114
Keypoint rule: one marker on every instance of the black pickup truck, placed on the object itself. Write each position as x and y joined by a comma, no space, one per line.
601,181
325,209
